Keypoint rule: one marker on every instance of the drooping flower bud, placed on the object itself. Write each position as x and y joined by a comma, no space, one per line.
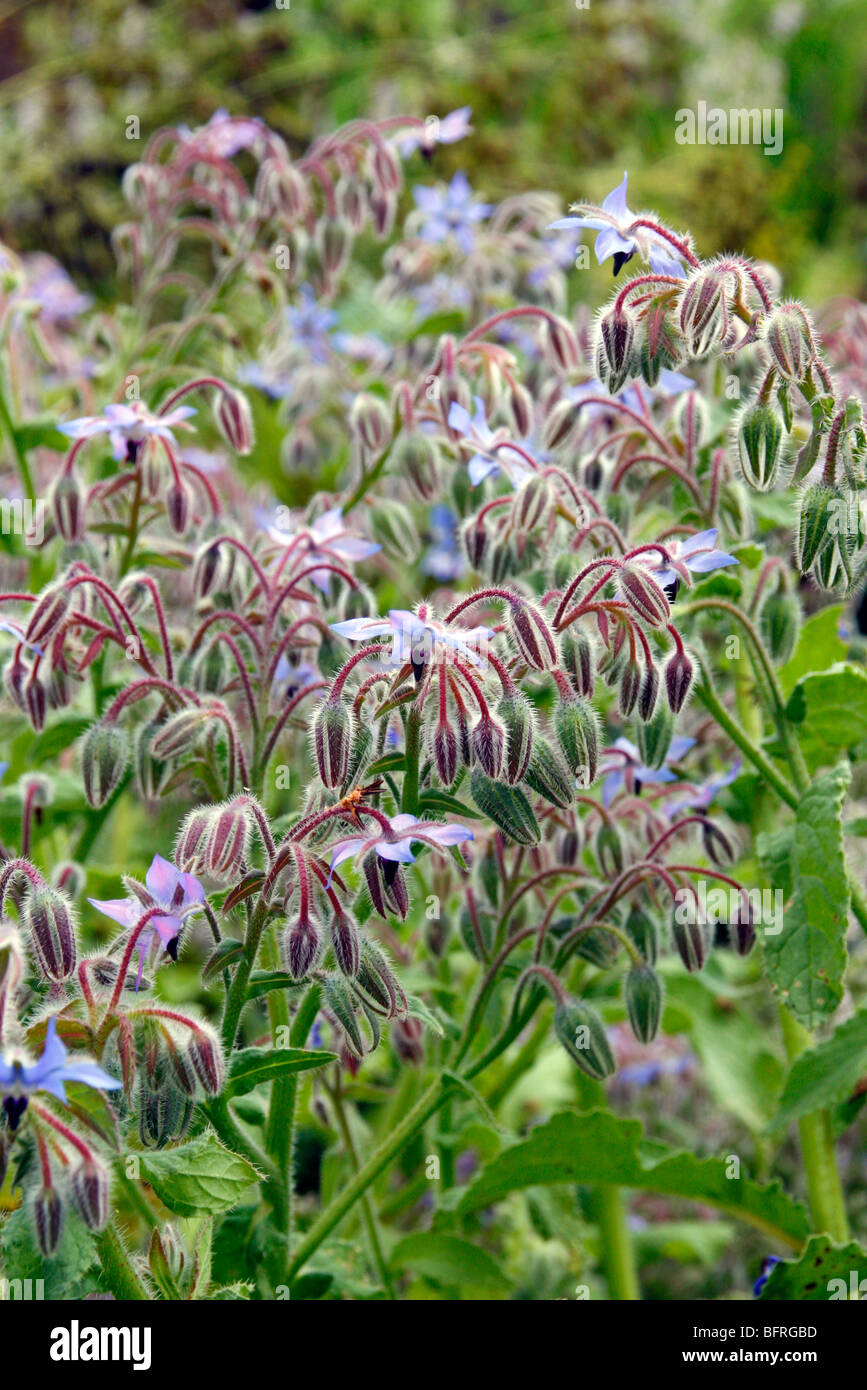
516,713
179,733
630,685
407,1040
489,744
703,309
560,345
655,735
577,655
416,457
207,1059
692,939
642,992
742,931
104,756
228,840
582,1033
48,915
391,524
577,728
780,624
531,504
48,1216
192,842
332,735
68,508
532,636
559,424
444,746
760,441
614,349
647,695
302,946
89,1183
178,507
234,420
644,595
209,569
369,421
548,775
475,539
644,931
819,520
678,680
345,941
48,614
507,807
609,849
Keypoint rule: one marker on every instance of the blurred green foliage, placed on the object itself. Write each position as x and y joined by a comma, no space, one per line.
563,98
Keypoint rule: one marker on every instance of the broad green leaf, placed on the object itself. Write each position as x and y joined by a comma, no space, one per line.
828,1073
830,710
440,802
227,952
807,959
256,1065
449,1260
818,647
21,1258
58,736
701,1242
263,981
824,1273
199,1177
598,1147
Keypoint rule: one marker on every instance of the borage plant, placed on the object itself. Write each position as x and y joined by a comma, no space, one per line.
529,828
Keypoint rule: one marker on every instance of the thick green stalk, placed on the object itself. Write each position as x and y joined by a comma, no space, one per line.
827,1203
618,1255
120,1276
237,996
409,795
20,456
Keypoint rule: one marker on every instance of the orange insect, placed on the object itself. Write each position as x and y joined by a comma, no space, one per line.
353,799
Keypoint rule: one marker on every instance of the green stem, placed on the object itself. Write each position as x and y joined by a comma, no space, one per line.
366,480
434,1097
409,796
618,1255
827,1203
20,456
365,1203
237,996
120,1276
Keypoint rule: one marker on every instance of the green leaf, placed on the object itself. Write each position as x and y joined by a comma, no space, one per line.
807,959
263,981
449,1260
199,1177
809,1279
827,1074
58,736
830,709
227,952
700,1242
256,1065
818,647
391,762
599,1147
21,1258
416,1008
445,802
446,321
40,434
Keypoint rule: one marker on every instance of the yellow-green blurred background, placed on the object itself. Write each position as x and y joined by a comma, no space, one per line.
563,98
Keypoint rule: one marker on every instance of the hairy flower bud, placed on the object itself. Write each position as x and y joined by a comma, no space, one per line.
643,930
178,507
642,992
516,713
559,424
104,756
332,735
647,695
760,440
192,842
302,946
228,840
644,595
89,1185
560,344
655,735
444,747
475,539
788,336
416,457
577,656
521,408
532,636
548,775
209,569
407,1040
614,349
234,420
692,938
489,744
582,1033
391,524
370,422
630,685
577,729
68,507
48,614
780,624
703,309
609,849
48,1216
678,680
346,943
207,1059
507,807
52,931
179,733
818,519
742,931
532,504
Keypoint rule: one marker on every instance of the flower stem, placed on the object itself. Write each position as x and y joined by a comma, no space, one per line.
618,1255
120,1276
827,1203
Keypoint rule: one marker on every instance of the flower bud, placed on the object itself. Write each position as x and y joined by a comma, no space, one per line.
647,696
643,930
475,538
577,729
577,655
332,734
609,849
692,939
560,345
630,685
416,457
548,775
234,420
228,840
104,756
532,636
654,736
532,504
516,713
48,614
192,842
818,518
302,946
391,524
742,931
780,624
597,946
52,932
67,507
489,744
444,746
644,595
507,807
48,1215
209,569
642,992
760,439
207,1059
178,507
582,1033
179,733
407,1040
149,771
788,337
559,424
333,242
678,680
345,941
703,310
35,701
163,1115
89,1184
520,408
370,422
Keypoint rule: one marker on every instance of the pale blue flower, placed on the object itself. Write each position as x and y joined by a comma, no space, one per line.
491,454
453,127
627,768
394,844
18,1081
613,221
697,552
450,212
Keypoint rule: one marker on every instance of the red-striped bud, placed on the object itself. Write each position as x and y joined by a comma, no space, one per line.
52,931
678,680
532,636
332,738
